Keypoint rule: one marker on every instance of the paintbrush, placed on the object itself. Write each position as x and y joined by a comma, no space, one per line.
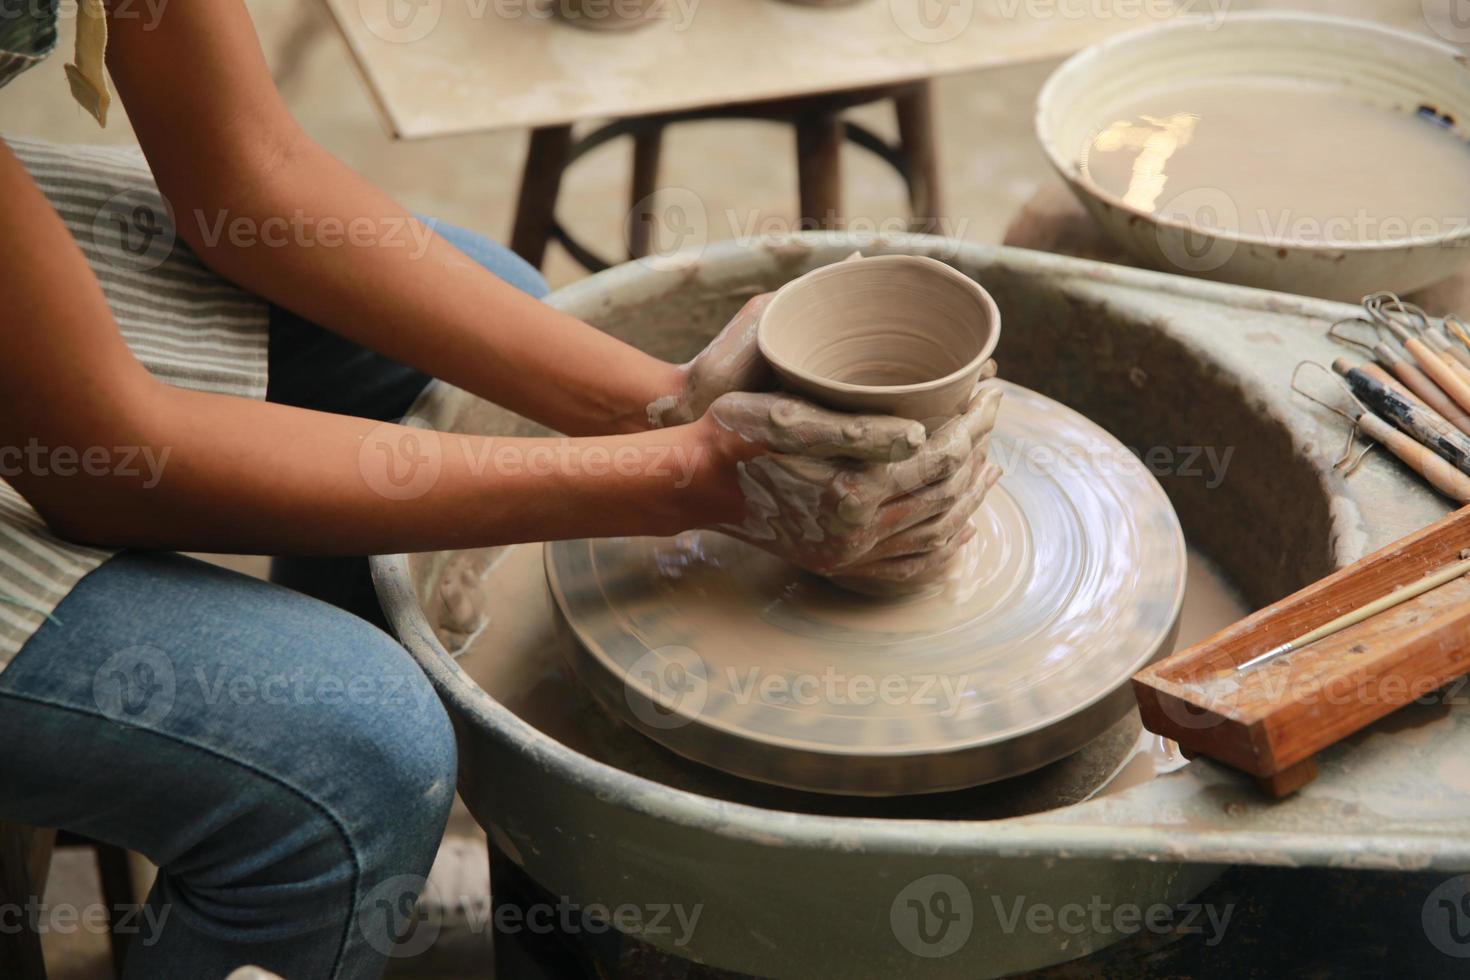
1398,596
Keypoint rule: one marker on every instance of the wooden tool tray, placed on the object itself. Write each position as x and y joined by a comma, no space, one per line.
1272,719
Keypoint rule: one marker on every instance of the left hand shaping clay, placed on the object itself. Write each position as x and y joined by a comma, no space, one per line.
732,362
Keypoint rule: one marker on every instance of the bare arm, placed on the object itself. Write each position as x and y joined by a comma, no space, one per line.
243,476
267,207
868,494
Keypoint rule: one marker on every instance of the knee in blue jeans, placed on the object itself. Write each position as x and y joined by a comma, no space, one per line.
395,754
370,803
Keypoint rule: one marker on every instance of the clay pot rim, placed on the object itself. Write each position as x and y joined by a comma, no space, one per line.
985,301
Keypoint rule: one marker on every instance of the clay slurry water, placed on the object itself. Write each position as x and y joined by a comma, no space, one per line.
1283,160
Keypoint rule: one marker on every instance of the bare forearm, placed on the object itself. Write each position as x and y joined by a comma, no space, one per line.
222,474
269,208
319,240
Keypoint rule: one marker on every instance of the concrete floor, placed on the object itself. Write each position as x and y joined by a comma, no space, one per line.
990,162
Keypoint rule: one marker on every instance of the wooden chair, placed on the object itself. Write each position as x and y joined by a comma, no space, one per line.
820,131
25,862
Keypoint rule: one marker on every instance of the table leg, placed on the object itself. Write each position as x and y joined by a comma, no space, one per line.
546,158
915,110
819,136
647,142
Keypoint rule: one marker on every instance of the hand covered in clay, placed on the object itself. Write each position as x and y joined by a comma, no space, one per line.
732,362
869,501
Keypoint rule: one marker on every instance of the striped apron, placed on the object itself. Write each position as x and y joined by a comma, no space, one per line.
189,327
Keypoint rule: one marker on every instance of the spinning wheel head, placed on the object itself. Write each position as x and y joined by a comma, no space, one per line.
738,660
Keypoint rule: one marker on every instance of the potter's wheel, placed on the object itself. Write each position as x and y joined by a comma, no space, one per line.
738,660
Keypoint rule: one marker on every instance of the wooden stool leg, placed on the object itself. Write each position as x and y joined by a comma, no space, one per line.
25,857
116,875
546,158
819,137
915,111
647,144
519,951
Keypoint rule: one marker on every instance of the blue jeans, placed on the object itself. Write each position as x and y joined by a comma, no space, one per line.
285,763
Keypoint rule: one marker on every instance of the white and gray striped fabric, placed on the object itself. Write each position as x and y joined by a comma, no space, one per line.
27,36
189,327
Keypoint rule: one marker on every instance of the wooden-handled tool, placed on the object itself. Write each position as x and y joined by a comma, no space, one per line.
1388,400
1419,383
1454,352
1439,370
1440,474
1449,374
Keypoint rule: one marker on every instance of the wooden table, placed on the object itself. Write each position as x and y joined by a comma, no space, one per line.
440,67
443,67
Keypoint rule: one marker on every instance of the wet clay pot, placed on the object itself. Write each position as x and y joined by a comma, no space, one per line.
901,335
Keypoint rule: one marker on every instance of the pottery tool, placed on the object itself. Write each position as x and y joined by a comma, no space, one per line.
1398,596
738,660
1457,328
1450,341
1441,475
1270,723
1386,399
1395,313
1408,375
1443,372
1419,383
1378,374
1457,356
1388,309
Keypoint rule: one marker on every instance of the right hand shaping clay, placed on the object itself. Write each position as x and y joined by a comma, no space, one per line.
866,500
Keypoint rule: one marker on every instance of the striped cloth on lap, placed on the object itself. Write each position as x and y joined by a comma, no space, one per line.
189,327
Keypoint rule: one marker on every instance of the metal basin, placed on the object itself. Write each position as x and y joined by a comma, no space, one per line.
796,885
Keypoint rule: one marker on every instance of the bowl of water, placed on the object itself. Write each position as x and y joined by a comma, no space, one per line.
1286,151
